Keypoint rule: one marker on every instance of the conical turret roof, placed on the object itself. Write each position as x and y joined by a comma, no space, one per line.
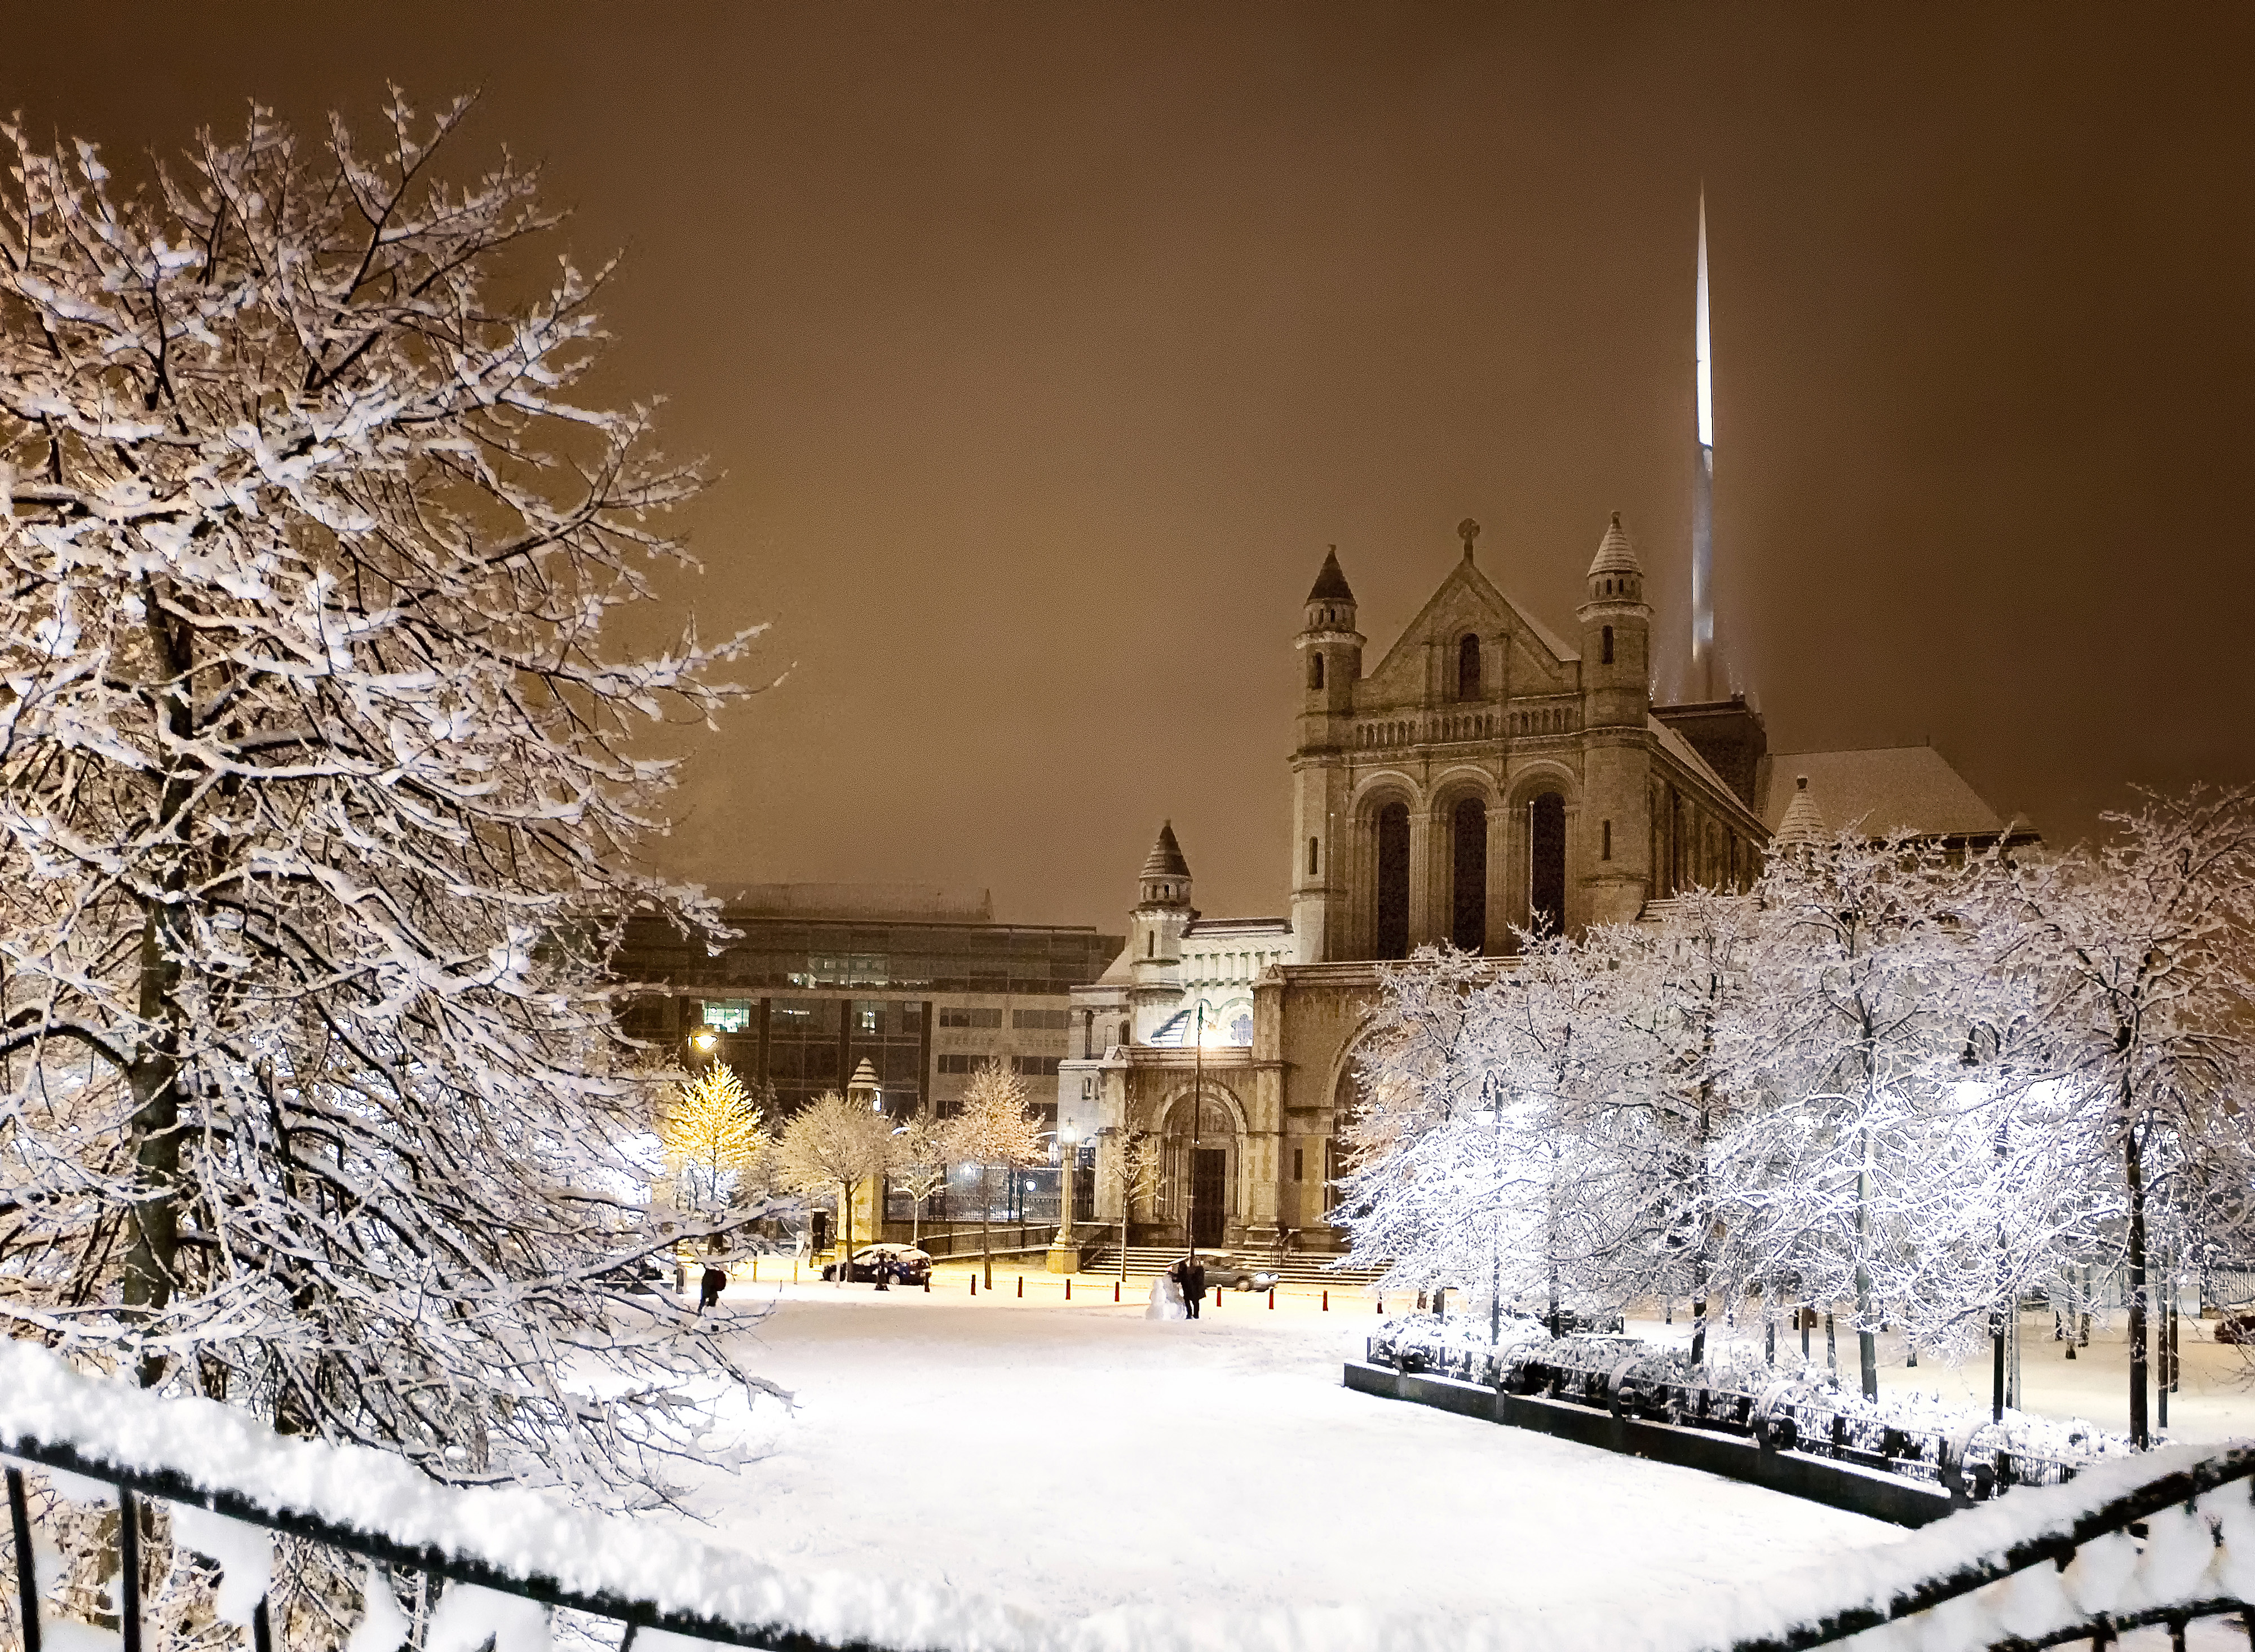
1614,552
1166,857
865,1078
1331,583
1802,827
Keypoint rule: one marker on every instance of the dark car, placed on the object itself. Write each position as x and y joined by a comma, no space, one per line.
1234,1273
643,1276
910,1266
2240,1328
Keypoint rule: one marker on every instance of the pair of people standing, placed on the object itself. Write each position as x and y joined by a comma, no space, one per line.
1189,1275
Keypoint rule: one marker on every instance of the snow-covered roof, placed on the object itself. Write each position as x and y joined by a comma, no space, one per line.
1885,789
1238,928
1685,753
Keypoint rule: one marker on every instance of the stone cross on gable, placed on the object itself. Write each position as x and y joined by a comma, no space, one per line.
1468,530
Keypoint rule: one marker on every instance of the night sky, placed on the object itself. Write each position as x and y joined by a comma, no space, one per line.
1045,347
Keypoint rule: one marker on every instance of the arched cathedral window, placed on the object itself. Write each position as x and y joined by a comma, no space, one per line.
1315,670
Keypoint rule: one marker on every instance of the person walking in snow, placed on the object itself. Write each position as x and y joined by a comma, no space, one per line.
710,1287
885,1271
1193,1284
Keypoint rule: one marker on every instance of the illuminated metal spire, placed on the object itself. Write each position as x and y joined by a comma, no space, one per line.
1703,495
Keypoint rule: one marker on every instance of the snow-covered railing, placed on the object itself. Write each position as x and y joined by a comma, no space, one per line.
2164,1538
507,1556
1966,1454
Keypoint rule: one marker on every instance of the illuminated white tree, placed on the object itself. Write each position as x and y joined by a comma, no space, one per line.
834,1144
994,1129
713,1134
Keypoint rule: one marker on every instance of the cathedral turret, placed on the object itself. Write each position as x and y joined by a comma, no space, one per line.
1330,649
1330,671
1616,813
1616,636
1155,935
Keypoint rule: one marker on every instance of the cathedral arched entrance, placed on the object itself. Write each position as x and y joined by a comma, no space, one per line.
1202,1154
1468,874
1390,929
1546,863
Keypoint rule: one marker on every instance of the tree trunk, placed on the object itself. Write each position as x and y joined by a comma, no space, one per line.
1867,1341
153,1225
986,1226
845,1232
2134,1173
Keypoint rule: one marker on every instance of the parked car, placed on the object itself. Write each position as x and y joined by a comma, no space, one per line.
643,1276
910,1266
1234,1273
2238,1327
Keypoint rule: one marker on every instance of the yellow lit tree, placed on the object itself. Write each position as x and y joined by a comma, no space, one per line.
714,1134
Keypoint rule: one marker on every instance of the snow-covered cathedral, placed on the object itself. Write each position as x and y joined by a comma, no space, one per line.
1485,775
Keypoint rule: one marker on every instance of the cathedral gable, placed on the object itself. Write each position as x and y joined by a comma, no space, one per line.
1532,659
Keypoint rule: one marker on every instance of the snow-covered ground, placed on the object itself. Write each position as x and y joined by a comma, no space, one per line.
1077,1459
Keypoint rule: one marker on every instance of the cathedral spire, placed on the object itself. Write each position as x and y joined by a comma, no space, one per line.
1703,495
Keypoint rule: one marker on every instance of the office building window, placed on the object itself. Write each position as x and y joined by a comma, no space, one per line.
960,1015
1035,1066
729,1015
1042,1020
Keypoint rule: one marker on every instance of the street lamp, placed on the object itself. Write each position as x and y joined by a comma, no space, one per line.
1066,1168
702,1041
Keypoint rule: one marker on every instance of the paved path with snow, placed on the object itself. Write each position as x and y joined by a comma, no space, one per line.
1078,1459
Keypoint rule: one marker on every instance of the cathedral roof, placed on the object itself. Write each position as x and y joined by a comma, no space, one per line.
1802,825
1888,789
1615,555
1331,583
1166,857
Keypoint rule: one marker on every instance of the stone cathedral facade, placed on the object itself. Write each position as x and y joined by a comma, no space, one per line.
1485,775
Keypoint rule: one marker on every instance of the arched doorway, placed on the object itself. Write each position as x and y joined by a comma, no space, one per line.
1546,864
1200,1188
1392,934
1468,874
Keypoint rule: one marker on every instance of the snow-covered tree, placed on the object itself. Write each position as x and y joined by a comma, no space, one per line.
995,1129
921,1156
1864,974
833,1144
2148,966
714,1134
1132,1166
317,799
1683,990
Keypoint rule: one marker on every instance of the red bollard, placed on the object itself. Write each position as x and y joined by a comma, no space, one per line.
1272,1297
974,1284
1068,1287
927,1284
1115,1291
1021,1287
1381,1307
1327,1302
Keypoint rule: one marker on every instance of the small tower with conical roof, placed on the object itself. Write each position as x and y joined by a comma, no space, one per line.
1155,935
1330,670
1802,826
1616,813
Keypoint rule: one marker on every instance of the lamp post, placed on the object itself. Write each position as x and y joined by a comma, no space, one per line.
1495,1246
1198,1108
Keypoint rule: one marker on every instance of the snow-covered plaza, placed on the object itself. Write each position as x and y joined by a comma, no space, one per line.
1076,1459
1083,1460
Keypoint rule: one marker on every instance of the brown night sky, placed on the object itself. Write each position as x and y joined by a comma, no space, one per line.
1046,347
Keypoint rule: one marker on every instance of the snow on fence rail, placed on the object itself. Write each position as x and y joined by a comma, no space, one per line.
497,1549
2158,1538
